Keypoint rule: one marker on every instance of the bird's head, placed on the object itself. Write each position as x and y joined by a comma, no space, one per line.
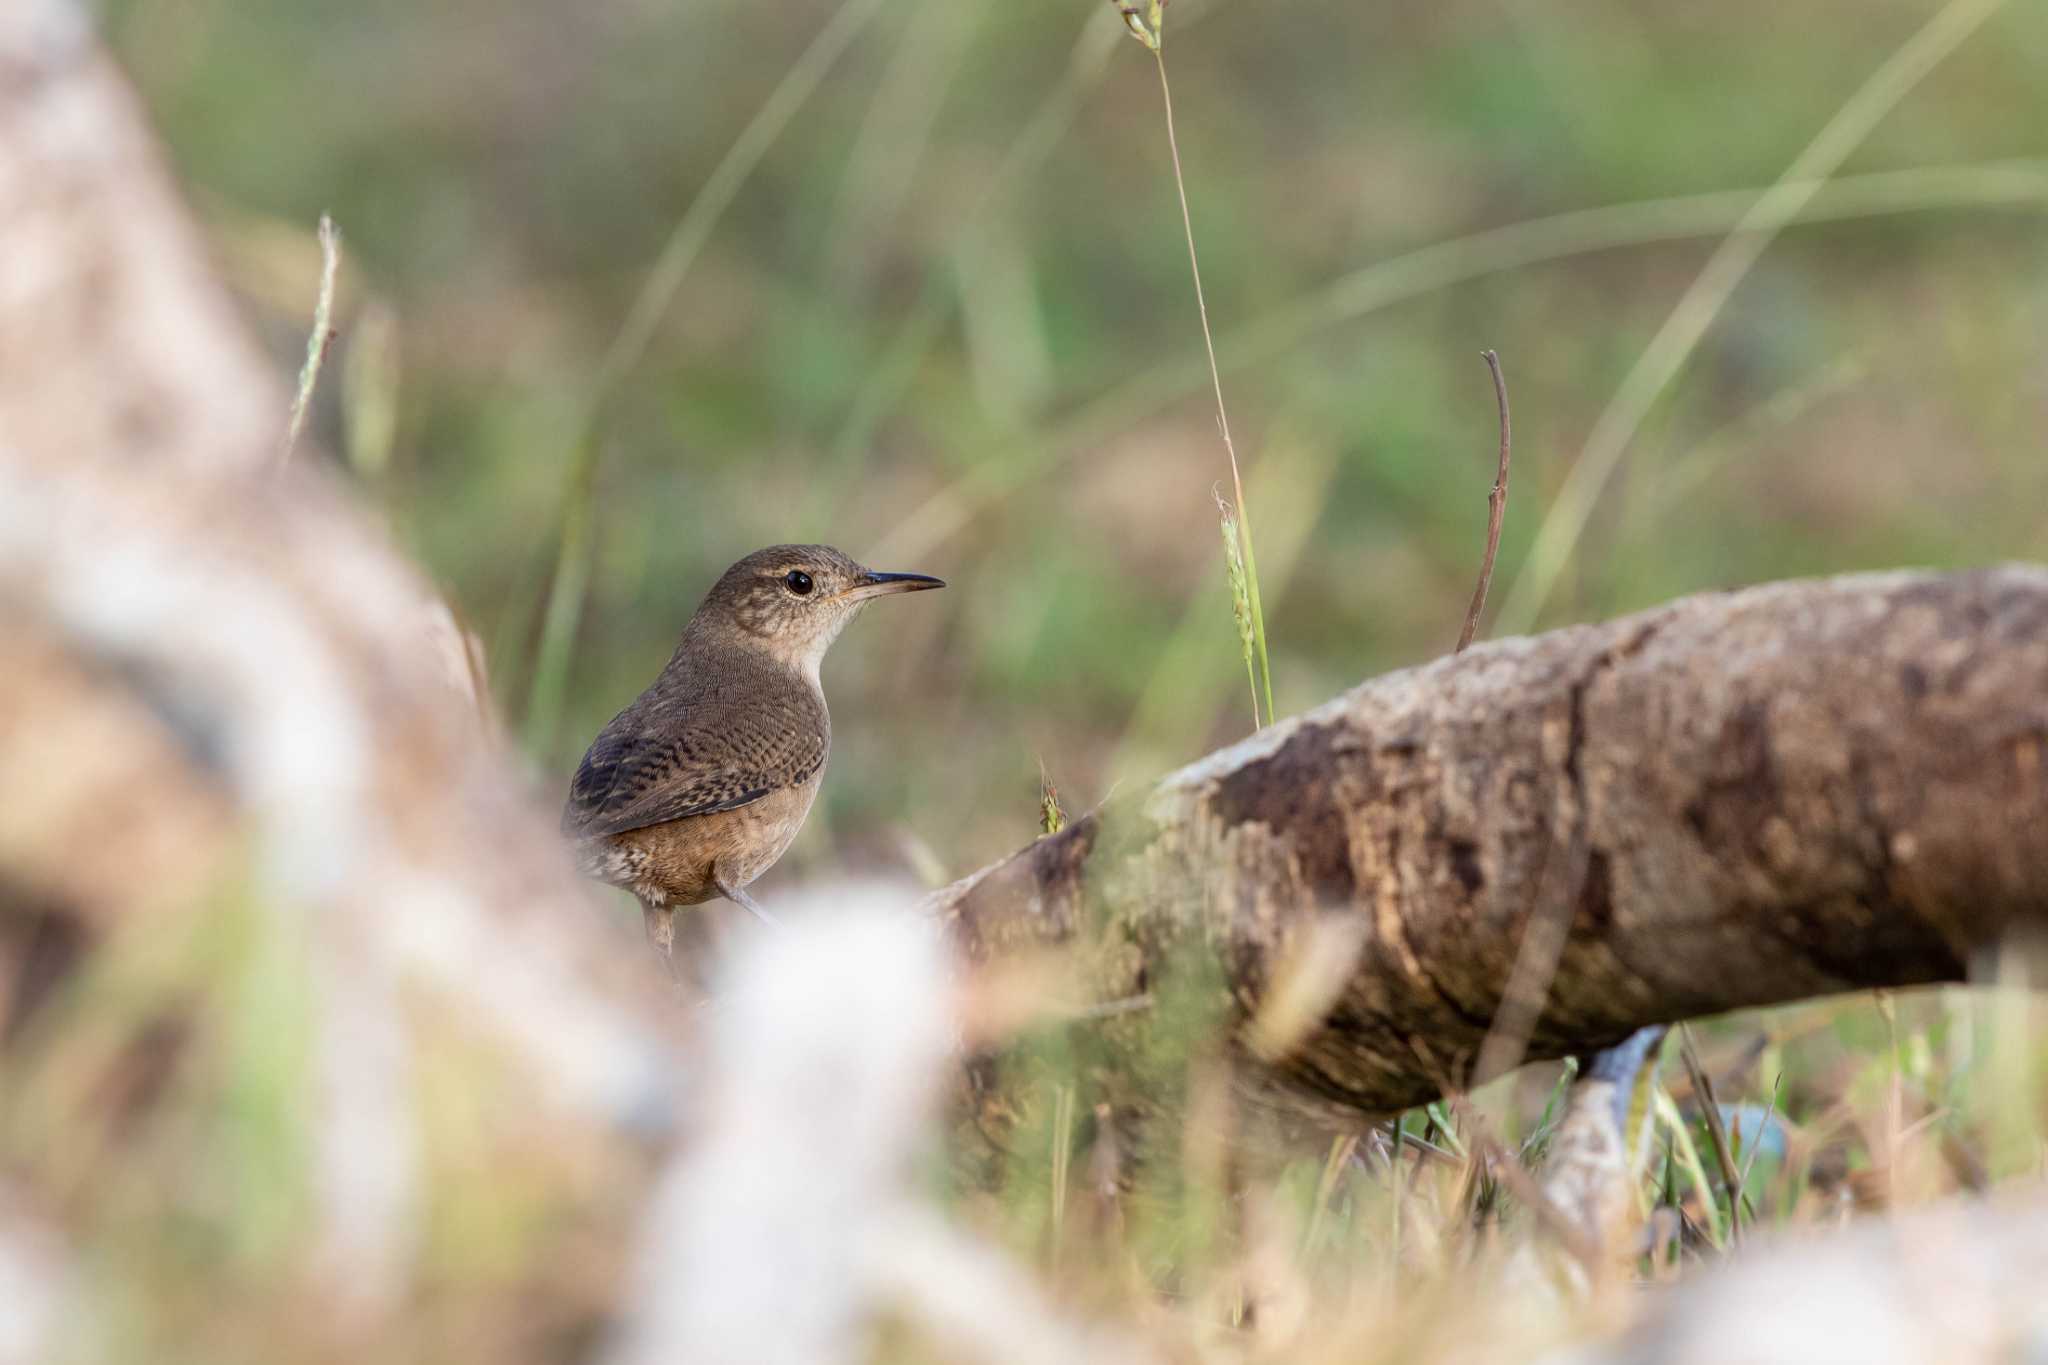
795,599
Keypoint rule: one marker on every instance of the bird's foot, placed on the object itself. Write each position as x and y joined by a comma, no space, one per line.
738,896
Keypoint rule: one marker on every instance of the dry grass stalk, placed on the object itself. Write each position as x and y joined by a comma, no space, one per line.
320,340
1147,25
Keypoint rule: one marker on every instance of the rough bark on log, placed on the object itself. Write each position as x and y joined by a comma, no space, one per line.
1733,800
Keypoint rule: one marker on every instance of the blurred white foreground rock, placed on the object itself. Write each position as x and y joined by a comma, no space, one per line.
789,1222
1959,1282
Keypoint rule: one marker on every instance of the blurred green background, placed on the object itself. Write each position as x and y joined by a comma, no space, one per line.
947,325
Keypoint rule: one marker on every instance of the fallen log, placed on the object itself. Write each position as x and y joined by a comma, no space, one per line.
1733,800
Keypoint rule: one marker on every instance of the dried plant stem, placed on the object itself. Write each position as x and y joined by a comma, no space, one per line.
1895,1099
1756,1143
1244,511
1496,506
1342,1148
1717,1131
1394,1180
320,339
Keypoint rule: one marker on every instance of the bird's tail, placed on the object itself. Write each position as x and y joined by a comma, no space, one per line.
605,861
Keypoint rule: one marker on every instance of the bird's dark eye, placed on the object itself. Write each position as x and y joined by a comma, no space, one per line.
798,582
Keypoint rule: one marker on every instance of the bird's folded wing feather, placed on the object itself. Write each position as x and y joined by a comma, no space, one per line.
637,775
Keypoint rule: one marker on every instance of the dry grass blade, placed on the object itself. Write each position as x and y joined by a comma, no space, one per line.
1717,1130
2015,184
1895,1098
1537,956
888,379
694,229
1396,1191
1685,1154
894,136
1342,1148
658,292
1062,1160
1148,28
1488,1152
1756,1144
372,375
1710,291
319,340
1496,505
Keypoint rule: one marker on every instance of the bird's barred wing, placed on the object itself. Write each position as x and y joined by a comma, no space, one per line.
637,775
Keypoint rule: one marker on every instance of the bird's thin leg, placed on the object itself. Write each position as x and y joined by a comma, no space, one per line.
661,932
661,929
739,897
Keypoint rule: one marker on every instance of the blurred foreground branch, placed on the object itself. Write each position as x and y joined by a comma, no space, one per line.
257,861
1733,800
194,639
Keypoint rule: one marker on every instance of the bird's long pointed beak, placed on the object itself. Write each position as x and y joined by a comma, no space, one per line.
881,584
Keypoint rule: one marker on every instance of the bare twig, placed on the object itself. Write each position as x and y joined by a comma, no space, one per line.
321,338
1496,506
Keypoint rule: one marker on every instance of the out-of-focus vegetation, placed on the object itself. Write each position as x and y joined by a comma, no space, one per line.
1389,1246
946,324
931,327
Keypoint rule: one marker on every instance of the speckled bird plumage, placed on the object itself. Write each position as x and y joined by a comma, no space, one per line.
698,787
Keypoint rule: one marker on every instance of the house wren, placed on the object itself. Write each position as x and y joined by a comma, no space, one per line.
696,789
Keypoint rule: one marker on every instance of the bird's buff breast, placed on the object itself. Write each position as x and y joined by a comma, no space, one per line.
674,863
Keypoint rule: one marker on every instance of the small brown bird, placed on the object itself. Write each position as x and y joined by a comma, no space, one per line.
696,789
